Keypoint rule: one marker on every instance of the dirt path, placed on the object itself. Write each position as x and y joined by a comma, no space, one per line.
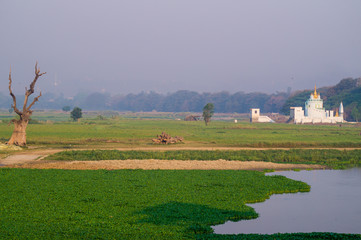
173,148
19,159
164,164
33,159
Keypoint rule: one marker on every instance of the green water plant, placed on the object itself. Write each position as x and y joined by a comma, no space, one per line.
129,204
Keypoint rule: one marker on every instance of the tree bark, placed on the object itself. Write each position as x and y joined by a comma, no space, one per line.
19,134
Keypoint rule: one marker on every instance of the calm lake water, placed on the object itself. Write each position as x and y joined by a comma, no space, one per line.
332,205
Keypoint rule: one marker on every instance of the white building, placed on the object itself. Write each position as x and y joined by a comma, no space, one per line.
256,116
315,113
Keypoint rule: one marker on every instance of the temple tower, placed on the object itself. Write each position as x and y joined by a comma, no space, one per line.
314,106
341,110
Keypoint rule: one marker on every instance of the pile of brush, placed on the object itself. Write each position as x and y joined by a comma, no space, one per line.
165,138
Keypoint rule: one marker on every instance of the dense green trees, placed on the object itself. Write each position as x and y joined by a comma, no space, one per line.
66,108
76,113
356,113
208,111
190,101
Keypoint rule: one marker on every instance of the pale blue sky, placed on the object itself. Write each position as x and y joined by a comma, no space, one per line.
168,45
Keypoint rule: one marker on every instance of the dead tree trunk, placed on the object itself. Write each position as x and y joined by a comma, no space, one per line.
19,134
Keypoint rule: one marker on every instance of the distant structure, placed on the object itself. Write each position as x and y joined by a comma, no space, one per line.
256,116
192,118
315,113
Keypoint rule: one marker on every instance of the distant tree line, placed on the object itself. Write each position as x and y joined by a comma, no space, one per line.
189,101
180,101
347,90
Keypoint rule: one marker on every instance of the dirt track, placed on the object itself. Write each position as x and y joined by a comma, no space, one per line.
33,159
164,164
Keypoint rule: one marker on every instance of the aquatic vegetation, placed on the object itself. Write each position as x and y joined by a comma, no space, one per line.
129,204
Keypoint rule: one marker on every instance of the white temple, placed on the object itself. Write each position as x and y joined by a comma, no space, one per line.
256,116
315,113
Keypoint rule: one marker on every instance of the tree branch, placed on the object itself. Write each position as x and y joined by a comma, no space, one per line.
34,101
13,96
37,75
30,91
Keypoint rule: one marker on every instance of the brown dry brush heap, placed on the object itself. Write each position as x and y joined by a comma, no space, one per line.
165,138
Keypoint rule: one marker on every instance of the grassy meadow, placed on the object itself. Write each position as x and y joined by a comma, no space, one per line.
137,131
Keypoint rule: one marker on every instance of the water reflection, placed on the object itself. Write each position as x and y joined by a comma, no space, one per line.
332,205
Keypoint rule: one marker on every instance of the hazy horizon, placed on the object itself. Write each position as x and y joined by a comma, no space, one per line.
123,47
20,92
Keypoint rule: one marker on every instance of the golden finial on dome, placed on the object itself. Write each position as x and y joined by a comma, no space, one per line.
315,95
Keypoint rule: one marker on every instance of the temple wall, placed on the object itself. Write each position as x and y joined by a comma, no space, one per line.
318,120
314,112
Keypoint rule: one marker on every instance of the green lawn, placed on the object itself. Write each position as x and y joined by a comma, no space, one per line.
138,133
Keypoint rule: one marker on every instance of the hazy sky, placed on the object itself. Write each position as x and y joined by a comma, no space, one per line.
168,45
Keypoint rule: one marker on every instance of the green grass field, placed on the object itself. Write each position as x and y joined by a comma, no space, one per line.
139,133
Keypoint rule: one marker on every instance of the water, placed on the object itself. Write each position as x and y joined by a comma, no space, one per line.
332,205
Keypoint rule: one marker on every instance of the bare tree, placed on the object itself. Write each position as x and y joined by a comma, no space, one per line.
19,134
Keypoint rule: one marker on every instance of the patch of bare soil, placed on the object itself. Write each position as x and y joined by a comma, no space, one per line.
18,159
163,164
33,159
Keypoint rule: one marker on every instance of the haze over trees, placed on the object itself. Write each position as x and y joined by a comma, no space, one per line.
180,101
348,91
66,108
